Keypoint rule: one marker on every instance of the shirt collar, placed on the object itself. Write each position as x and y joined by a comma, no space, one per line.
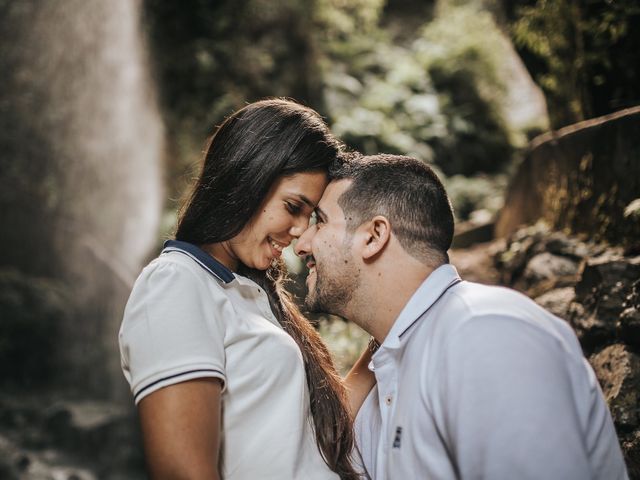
206,261
428,293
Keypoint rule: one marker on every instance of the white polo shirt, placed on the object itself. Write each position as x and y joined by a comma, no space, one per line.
479,382
190,317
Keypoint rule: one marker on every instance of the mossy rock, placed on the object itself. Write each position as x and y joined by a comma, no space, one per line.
32,311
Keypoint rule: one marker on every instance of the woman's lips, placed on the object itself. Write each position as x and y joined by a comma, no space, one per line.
276,247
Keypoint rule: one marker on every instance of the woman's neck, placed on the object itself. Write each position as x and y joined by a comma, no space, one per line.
221,252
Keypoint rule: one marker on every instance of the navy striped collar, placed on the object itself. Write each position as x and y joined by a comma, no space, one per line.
206,261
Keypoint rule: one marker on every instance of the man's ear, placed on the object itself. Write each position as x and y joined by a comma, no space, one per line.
377,234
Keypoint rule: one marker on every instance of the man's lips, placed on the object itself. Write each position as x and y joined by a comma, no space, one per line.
311,262
311,265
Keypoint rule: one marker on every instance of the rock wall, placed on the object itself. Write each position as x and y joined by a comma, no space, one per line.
80,170
580,179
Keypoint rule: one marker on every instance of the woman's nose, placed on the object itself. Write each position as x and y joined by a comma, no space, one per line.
299,227
303,245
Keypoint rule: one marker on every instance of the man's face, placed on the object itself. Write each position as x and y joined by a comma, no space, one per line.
326,246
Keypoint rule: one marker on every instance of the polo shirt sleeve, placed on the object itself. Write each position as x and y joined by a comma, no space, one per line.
172,331
507,404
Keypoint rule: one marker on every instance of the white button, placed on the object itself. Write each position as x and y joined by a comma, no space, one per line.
388,399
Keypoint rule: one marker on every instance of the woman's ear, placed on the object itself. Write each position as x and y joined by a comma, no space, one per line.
377,234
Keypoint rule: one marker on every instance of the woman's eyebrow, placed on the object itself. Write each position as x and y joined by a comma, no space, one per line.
304,199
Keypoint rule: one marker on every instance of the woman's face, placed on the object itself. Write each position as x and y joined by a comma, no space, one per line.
283,216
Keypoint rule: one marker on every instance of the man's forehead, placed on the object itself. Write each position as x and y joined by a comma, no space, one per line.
332,193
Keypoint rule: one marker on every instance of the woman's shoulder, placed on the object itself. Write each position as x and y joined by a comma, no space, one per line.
175,267
178,277
174,284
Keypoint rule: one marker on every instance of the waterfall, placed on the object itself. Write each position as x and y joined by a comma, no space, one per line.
81,146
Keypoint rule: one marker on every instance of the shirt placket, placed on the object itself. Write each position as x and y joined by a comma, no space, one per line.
386,377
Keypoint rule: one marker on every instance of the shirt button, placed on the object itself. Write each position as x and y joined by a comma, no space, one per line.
388,399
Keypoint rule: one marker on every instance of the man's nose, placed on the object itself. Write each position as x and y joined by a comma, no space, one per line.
303,245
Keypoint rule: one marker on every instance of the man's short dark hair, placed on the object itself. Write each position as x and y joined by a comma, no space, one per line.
408,193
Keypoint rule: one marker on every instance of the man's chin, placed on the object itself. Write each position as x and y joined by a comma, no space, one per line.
311,305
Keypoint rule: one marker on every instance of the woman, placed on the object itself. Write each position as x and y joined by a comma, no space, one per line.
230,380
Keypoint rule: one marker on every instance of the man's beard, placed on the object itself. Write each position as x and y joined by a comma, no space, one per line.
334,287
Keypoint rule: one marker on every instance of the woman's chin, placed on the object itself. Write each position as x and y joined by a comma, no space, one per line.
263,264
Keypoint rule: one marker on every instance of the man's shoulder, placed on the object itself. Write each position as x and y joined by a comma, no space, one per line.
469,302
474,307
477,300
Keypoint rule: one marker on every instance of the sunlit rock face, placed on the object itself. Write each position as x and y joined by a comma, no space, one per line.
80,169
584,179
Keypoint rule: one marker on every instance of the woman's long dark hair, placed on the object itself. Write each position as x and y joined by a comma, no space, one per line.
249,152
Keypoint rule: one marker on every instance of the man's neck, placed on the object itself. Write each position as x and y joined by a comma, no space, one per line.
387,289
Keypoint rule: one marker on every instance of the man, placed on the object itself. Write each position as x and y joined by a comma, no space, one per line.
473,381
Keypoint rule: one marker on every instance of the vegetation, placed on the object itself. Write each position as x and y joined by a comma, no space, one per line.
584,55
431,92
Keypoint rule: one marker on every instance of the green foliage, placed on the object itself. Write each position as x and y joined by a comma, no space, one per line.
584,55
437,99
212,57
461,49
345,340
31,313
471,194
386,106
338,19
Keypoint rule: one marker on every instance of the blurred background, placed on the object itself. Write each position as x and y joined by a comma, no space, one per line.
528,109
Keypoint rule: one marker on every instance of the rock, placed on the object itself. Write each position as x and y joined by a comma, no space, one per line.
512,260
557,301
476,263
592,331
17,463
547,266
471,233
604,286
33,311
606,282
68,438
611,272
10,464
618,370
559,243
536,260
101,431
630,318
630,444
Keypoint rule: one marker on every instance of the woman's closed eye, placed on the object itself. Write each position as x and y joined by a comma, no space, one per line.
293,208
